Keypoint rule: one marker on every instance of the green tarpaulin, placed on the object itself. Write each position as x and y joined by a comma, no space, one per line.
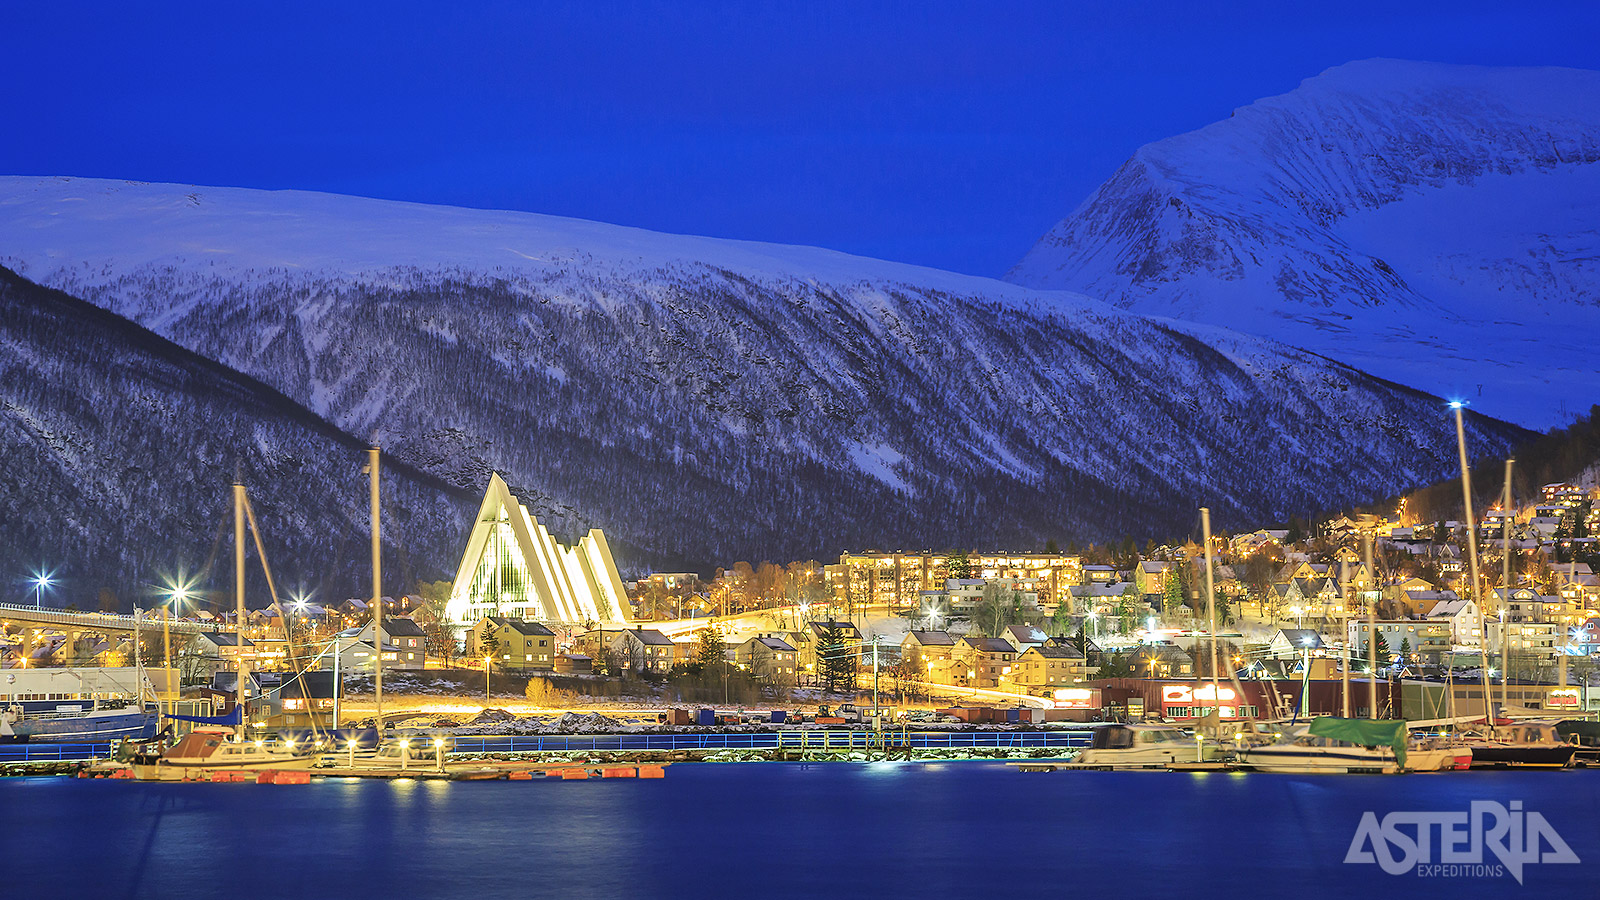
1366,732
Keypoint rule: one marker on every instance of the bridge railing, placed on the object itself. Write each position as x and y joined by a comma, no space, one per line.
87,620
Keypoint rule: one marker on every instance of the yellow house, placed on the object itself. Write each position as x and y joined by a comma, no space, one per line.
1041,669
517,644
768,658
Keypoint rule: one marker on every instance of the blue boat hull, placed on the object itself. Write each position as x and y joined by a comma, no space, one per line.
135,724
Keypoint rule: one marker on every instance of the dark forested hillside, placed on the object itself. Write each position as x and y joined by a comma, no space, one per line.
120,448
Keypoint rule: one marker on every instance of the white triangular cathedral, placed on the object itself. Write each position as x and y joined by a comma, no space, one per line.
514,568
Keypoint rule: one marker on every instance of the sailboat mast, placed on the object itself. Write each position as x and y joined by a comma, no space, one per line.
239,689
1211,611
377,595
1372,627
1505,592
1472,559
1344,669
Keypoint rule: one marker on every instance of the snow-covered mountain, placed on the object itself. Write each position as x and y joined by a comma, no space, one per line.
120,448
707,400
1436,225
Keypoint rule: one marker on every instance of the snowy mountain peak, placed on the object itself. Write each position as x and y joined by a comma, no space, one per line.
1434,224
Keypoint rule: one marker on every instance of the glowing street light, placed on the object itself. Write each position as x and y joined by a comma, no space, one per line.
41,580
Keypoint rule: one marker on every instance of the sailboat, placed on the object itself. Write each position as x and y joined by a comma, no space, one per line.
1535,745
1333,745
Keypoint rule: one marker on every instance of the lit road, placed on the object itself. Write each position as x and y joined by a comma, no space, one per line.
982,694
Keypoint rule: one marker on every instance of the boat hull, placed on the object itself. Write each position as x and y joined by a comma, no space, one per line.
1310,761
1145,757
134,725
1515,756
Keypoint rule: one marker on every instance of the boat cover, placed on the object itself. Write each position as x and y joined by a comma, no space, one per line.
1366,732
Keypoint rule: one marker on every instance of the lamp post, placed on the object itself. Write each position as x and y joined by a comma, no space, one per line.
175,597
41,581
486,681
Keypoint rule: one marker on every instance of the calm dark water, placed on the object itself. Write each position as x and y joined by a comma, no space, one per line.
963,830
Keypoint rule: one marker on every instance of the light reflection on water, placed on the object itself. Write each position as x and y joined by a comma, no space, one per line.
942,829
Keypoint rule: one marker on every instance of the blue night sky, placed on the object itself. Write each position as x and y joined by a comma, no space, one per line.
949,135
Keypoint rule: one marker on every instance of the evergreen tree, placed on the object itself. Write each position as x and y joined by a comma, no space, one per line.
1405,649
836,663
958,565
1382,646
1171,593
710,650
1062,619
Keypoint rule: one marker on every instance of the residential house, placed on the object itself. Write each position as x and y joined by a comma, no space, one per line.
1161,660
1534,638
1099,574
520,644
1292,643
1023,637
1150,576
1427,640
407,638
295,700
982,662
208,653
1462,614
357,656
1040,670
1418,603
644,650
930,653
817,633
768,658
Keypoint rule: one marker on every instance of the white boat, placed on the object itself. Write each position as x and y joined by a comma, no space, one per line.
211,749
1144,747
1334,745
1301,753
395,754
75,704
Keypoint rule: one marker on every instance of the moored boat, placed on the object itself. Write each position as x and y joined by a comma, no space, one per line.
210,749
1144,747
1335,746
75,704
1523,745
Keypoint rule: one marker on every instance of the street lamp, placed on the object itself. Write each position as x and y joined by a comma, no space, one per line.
486,681
41,580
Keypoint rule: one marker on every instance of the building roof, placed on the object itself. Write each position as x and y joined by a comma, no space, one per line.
521,626
1300,637
772,643
649,637
989,645
932,638
1055,652
1027,634
1446,608
849,629
402,627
